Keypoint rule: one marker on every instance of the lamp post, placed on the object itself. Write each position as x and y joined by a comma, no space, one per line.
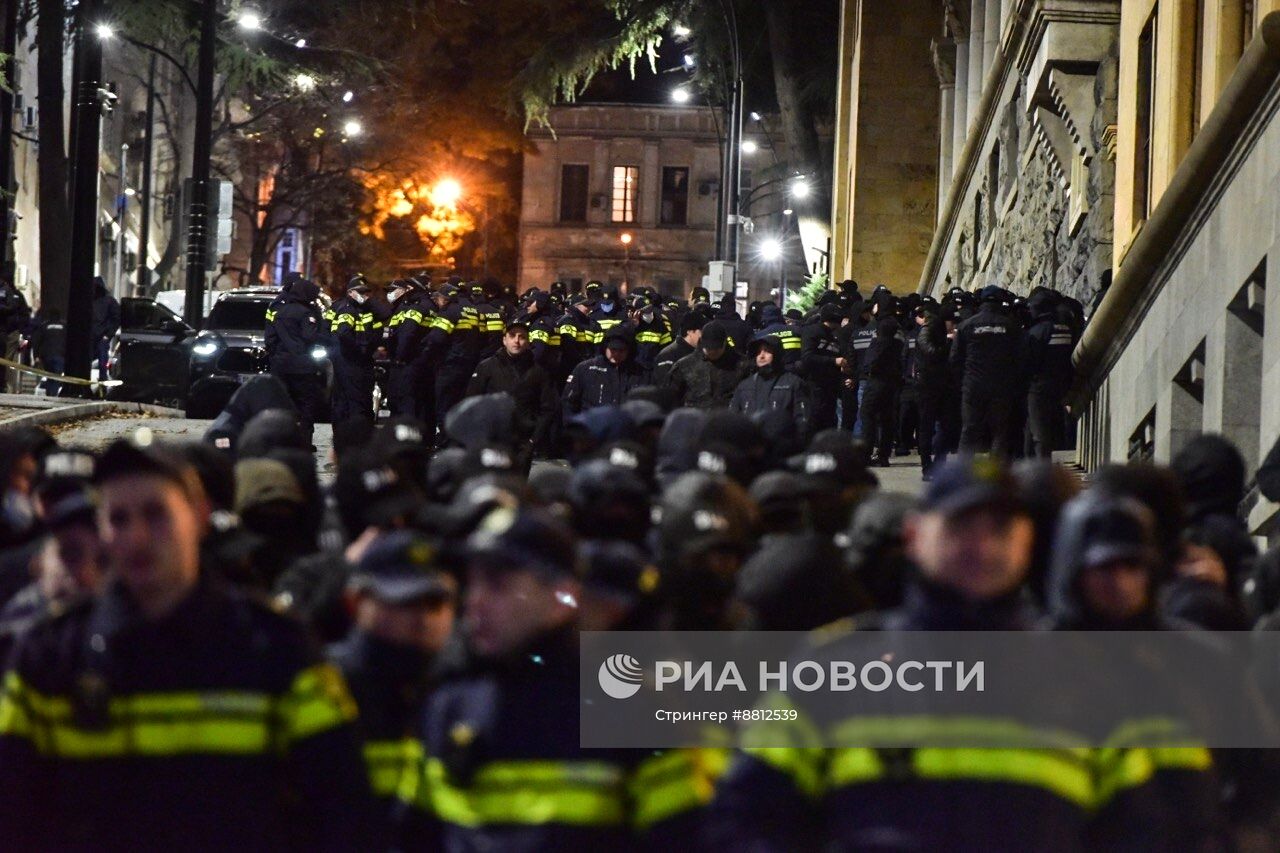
198,209
626,239
90,98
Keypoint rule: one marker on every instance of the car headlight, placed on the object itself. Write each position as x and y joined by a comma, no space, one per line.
204,349
319,353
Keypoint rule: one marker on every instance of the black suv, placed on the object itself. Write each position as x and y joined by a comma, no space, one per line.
213,362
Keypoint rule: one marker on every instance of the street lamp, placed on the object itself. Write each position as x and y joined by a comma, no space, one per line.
104,31
625,238
348,96
680,96
771,249
447,193
680,31
750,147
249,20
689,61
800,189
353,128
305,82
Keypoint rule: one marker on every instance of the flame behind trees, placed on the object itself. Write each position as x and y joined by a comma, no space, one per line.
440,223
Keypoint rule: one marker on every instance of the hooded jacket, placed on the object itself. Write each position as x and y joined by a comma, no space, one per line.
106,311
991,348
599,382
773,389
667,358
294,329
773,324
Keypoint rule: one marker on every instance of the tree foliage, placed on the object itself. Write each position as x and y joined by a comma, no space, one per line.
806,298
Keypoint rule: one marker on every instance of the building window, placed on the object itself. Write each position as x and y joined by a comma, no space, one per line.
1142,165
675,195
977,230
993,186
573,193
626,180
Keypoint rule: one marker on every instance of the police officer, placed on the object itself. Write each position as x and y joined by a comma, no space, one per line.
356,328
577,334
653,330
292,337
454,344
170,711
933,349
706,379
772,323
608,312
504,768
489,324
881,378
1050,343
402,603
771,387
409,382
606,379
868,796
821,362
691,325
544,334
991,348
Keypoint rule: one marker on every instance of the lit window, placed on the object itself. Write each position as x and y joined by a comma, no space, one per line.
626,180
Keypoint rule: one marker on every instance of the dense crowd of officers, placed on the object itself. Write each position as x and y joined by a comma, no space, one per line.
163,609
978,371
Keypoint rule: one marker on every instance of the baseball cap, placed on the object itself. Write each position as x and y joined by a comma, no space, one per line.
403,567
261,481
142,454
520,539
619,568
714,335
1118,529
369,485
967,482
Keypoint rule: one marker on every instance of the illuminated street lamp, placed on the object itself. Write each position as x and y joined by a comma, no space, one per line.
352,129
626,238
680,96
800,189
750,147
348,96
305,82
681,31
104,31
447,192
771,249
249,20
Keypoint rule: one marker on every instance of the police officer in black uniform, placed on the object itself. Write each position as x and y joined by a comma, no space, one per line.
292,337
991,348
356,328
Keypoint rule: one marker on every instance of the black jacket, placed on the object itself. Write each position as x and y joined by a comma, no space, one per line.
933,350
668,357
389,683
698,383
527,383
106,311
884,359
223,703
774,389
819,350
991,347
293,329
1049,347
15,313
599,382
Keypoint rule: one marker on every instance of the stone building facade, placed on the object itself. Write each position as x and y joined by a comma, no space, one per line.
651,173
1032,174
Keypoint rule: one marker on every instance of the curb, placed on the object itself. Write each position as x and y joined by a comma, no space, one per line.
62,414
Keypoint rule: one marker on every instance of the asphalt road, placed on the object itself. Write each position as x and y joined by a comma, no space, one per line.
902,476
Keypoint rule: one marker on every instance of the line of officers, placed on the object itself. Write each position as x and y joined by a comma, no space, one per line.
976,372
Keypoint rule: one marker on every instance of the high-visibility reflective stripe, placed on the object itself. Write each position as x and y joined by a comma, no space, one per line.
790,340
947,731
317,700
606,325
539,336
443,323
569,331
1121,769
675,782
1059,771
390,761
271,315
160,724
527,793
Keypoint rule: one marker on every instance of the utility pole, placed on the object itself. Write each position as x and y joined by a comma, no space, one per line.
148,151
90,95
198,204
9,47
